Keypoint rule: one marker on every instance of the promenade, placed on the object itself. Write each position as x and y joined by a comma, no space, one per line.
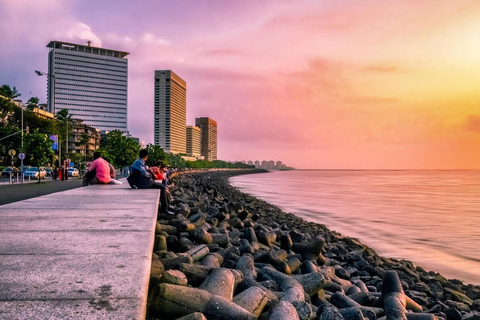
77,254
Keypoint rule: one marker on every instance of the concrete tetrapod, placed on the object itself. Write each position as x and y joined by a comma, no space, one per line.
292,289
394,299
328,312
352,313
220,282
283,310
340,300
193,316
179,301
253,300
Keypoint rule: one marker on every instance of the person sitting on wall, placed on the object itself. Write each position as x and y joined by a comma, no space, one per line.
141,178
113,173
156,171
99,171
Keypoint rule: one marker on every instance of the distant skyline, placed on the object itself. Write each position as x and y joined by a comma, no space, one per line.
329,84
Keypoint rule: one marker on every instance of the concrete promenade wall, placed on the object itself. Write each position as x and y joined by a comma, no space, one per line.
79,254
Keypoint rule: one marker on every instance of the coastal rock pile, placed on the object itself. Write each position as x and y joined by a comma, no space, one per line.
228,255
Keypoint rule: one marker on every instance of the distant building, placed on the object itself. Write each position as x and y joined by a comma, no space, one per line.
76,143
170,112
90,82
278,165
270,165
43,114
250,162
257,164
209,137
264,164
194,141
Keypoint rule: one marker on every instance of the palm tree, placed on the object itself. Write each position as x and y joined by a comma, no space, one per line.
9,93
32,103
66,121
84,141
7,96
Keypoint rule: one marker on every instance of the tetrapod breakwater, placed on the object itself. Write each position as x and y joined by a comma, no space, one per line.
228,255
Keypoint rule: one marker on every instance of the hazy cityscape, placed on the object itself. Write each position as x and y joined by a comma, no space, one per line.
92,84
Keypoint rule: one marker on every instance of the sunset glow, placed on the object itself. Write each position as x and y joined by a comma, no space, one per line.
316,84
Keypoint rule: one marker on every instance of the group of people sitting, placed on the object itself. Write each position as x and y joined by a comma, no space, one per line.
141,176
154,177
100,171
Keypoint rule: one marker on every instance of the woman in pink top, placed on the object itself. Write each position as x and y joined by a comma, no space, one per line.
99,171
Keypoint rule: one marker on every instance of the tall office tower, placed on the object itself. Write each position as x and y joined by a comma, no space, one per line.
170,112
90,82
209,137
194,141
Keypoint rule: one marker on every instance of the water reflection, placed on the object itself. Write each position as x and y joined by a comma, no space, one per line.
429,217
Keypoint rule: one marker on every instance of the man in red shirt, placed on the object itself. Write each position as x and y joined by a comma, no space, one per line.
99,172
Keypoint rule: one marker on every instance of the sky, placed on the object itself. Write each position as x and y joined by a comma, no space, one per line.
332,84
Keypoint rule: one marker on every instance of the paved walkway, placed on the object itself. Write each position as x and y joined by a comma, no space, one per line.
78,254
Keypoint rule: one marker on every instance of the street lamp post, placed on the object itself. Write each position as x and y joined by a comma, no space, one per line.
66,132
51,102
21,160
51,95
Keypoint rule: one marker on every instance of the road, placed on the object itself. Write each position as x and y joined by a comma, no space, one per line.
21,191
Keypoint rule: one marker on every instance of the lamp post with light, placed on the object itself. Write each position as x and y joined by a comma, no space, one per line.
51,106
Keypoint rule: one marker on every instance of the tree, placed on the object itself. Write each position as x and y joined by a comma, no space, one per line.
32,103
156,153
38,148
7,95
84,141
12,142
176,161
64,125
119,149
6,109
8,92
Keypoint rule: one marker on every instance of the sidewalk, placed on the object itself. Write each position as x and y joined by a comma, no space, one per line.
77,254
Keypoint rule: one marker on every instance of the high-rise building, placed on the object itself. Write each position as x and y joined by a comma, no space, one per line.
90,82
194,141
170,112
209,137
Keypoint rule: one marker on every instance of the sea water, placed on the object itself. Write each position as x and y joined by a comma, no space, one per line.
431,218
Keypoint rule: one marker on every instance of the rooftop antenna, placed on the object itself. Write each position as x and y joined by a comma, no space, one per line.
89,42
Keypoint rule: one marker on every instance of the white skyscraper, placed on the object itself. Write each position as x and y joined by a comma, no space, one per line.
90,82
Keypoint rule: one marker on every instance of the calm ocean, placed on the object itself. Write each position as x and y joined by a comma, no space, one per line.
431,218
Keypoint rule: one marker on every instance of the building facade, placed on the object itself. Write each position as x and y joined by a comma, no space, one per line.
170,112
90,82
194,141
83,138
43,114
209,137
